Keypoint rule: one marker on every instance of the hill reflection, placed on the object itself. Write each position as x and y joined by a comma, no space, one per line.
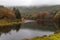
6,29
46,26
51,26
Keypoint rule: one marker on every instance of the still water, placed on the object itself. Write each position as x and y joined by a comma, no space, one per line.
24,30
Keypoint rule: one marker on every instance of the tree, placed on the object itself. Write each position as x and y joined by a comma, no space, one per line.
17,13
1,6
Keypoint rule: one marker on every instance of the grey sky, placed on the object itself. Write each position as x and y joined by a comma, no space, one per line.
28,2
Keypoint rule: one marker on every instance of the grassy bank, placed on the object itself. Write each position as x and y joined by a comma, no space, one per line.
4,22
55,36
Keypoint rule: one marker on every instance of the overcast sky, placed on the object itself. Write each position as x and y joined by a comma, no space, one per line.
28,2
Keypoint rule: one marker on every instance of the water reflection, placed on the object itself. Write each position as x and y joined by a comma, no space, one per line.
47,26
7,29
27,30
24,33
51,26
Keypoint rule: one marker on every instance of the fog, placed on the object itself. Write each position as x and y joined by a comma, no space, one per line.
28,2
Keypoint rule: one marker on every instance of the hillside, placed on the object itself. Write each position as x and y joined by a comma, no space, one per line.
9,17
27,10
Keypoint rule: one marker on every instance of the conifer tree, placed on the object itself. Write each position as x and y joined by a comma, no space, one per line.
17,13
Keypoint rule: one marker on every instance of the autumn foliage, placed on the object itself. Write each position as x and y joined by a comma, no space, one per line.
5,12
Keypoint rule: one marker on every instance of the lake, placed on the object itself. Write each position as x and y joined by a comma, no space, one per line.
25,30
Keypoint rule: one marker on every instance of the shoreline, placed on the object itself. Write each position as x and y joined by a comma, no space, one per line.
6,22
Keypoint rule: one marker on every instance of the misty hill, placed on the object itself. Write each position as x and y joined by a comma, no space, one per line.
34,9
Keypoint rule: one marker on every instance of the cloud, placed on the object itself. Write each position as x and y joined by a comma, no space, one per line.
28,2
46,2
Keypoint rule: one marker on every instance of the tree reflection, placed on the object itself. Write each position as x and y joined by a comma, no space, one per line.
53,26
57,25
6,29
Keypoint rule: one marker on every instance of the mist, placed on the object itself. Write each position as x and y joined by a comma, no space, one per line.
29,2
